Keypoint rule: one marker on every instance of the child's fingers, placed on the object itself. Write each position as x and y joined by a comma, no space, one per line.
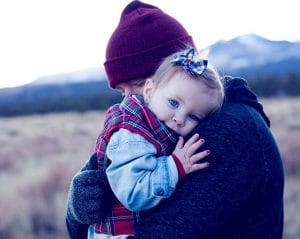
191,140
199,166
196,157
194,147
180,143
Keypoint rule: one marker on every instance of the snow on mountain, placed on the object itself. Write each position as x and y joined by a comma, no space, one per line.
91,74
252,51
243,55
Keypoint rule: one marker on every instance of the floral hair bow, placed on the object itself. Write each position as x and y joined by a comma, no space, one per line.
190,63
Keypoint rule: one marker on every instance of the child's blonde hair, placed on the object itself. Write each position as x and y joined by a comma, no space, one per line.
209,77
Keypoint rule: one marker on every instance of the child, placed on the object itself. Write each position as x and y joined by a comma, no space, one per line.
141,132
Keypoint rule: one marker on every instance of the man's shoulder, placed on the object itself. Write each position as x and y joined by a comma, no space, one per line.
233,117
237,129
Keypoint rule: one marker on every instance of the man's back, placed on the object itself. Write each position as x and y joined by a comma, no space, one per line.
239,196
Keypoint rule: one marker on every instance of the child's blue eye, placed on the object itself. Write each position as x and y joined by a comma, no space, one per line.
173,103
194,117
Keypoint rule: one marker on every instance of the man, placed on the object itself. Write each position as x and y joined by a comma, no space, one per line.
239,196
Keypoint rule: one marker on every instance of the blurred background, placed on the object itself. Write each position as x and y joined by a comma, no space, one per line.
53,92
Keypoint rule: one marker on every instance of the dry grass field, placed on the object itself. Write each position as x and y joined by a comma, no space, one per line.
39,155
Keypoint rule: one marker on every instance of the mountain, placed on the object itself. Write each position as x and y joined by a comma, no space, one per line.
51,97
87,75
245,55
251,55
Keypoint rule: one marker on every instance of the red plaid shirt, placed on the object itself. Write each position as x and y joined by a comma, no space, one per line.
131,114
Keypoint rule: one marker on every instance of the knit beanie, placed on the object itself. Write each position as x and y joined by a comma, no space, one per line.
144,36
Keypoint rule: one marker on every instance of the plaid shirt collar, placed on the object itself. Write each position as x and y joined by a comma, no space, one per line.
134,115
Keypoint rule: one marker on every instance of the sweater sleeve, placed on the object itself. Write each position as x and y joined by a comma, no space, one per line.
75,229
138,178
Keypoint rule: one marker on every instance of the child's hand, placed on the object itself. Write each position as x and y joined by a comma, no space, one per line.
186,154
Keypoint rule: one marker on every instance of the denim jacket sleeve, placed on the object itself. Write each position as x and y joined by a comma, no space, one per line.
138,178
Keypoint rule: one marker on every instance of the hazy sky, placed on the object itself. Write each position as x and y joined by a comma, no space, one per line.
45,37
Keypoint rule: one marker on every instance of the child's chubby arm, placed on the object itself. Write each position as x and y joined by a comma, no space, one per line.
138,178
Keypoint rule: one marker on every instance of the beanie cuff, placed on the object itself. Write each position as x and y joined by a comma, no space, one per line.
144,63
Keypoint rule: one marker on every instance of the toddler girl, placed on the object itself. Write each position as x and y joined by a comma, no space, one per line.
139,146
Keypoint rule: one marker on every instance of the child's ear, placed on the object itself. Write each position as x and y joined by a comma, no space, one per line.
148,89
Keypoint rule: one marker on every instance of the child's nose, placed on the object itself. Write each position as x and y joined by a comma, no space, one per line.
179,121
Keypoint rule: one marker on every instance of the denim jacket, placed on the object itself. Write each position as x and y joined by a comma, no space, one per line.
138,178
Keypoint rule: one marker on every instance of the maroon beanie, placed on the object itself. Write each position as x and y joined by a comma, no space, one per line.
144,36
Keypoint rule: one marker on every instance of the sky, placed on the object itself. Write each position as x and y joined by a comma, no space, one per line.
48,37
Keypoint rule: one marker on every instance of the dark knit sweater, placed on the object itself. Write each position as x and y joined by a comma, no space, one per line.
240,195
